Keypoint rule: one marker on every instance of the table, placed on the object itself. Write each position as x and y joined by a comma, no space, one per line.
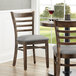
67,61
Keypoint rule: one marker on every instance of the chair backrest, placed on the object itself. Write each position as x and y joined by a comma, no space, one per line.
23,22
60,32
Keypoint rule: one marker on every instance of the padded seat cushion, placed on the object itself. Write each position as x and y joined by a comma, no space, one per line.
29,38
68,49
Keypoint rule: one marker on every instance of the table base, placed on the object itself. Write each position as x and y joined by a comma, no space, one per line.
67,73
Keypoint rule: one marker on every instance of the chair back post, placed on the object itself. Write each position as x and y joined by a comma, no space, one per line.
57,40
33,22
14,23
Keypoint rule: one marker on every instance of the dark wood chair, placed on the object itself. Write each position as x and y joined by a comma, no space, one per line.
66,50
21,20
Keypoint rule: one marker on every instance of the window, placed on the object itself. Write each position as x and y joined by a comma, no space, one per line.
62,8
72,5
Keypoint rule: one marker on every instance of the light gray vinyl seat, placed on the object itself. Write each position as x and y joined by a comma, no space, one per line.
66,49
30,38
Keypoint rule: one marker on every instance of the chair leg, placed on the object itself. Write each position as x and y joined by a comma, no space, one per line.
47,54
15,55
34,55
54,65
25,56
58,69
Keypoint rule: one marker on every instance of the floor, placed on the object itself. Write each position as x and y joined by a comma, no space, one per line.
39,69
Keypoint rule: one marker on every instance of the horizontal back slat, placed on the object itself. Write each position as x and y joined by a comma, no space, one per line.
23,20
28,25
67,43
67,37
66,31
28,14
66,23
24,30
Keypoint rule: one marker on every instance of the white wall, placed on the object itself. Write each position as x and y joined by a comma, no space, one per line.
14,4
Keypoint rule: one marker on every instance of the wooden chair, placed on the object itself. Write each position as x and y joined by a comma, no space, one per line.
64,49
27,41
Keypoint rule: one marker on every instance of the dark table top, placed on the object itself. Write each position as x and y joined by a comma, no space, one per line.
49,24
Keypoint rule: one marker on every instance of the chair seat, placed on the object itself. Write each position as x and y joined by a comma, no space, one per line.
30,38
69,50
